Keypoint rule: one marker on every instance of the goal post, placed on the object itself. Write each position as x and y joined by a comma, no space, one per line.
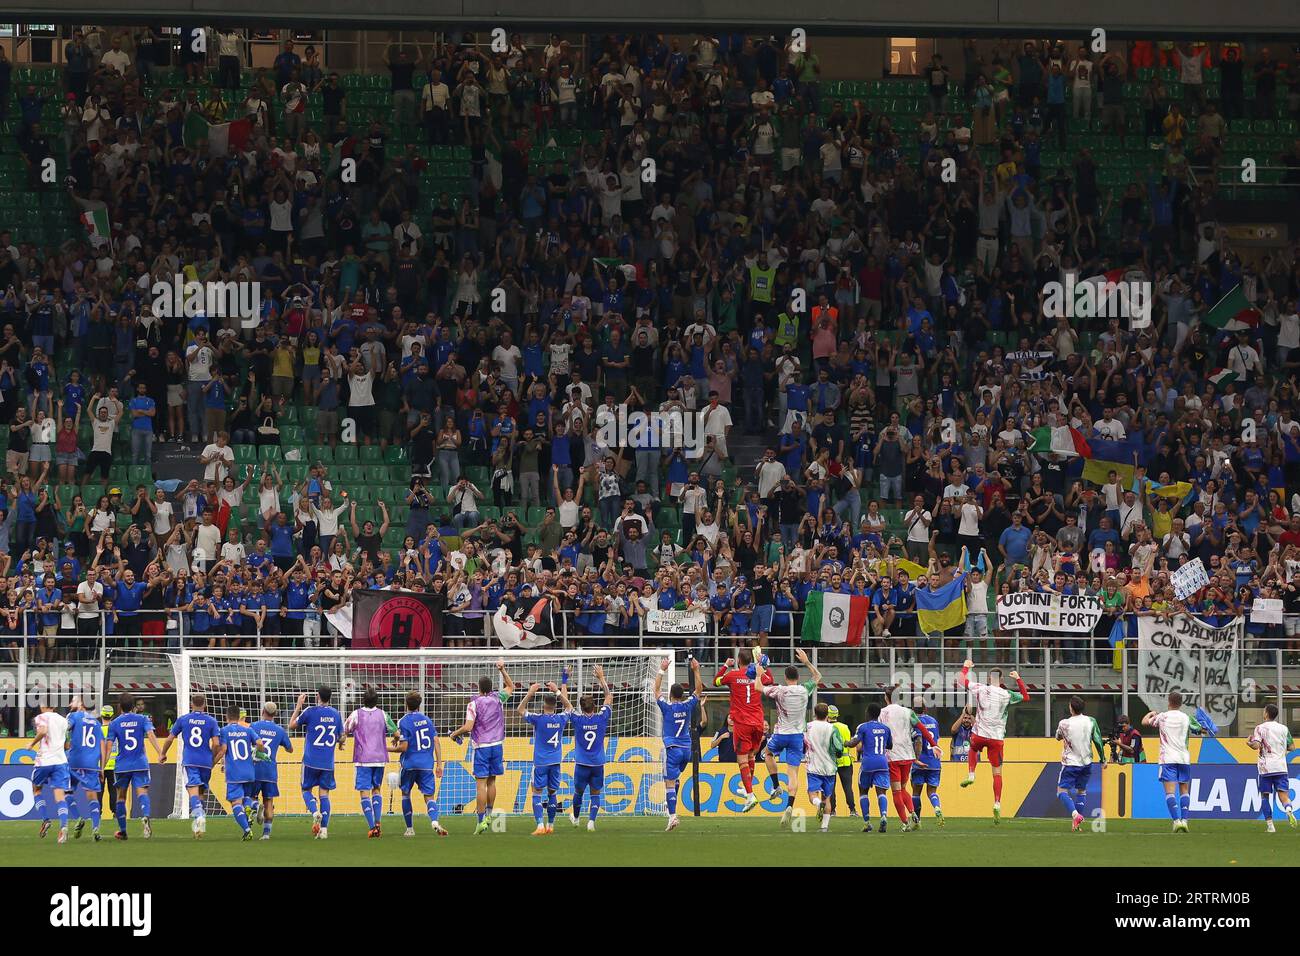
448,679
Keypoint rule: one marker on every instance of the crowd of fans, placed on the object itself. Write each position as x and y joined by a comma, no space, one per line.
723,246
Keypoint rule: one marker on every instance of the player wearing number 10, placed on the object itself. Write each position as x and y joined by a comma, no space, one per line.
678,712
323,728
548,735
237,744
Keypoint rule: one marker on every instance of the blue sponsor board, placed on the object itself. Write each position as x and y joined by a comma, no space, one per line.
18,803
1218,792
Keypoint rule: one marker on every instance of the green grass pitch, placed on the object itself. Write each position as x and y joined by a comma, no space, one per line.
633,841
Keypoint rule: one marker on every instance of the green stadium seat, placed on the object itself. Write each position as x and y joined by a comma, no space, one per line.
345,453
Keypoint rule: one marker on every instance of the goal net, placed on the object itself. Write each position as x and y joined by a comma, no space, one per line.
448,680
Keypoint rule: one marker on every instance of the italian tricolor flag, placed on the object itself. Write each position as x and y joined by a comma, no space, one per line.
1061,441
831,618
1222,376
222,138
1233,312
95,219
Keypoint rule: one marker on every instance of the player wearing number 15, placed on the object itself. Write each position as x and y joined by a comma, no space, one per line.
421,758
589,729
548,736
323,732
128,732
679,713
746,716
195,730
237,744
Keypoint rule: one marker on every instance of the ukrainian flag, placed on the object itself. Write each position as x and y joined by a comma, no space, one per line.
937,611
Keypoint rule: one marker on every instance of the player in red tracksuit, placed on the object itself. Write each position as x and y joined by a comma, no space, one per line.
746,716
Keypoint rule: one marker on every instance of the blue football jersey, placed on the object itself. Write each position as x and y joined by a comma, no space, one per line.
925,754
85,735
548,734
240,743
876,739
273,737
196,730
322,728
128,731
589,736
677,715
419,732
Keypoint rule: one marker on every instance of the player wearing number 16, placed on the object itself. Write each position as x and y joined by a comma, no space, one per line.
323,731
678,712
237,744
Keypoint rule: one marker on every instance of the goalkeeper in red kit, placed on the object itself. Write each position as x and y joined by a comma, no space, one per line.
737,674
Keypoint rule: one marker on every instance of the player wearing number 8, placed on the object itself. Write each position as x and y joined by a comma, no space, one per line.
237,745
323,731
678,712
548,735
196,731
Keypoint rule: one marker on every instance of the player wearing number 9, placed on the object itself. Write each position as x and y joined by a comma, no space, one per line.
589,729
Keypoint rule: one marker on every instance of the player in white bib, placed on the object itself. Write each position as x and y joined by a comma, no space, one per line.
992,701
51,770
1175,729
822,748
1273,741
787,739
902,723
1078,734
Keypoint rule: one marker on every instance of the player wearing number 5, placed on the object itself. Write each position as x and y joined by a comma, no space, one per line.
322,727
679,712
589,729
485,722
128,732
417,741
548,735
238,744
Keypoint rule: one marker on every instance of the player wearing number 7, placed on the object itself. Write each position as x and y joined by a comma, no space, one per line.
548,738
322,732
678,712
237,744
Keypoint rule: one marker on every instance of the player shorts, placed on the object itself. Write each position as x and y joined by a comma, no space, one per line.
1275,783
56,776
488,761
316,777
675,761
923,776
263,789
592,778
994,748
130,779
789,746
88,780
198,776
548,777
873,778
1175,773
900,771
418,777
369,778
1074,778
821,783
238,790
747,738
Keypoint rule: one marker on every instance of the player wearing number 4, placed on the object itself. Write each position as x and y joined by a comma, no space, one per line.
678,713
485,722
195,730
322,727
548,737
589,729
1273,741
787,740
238,743
1175,760
416,740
